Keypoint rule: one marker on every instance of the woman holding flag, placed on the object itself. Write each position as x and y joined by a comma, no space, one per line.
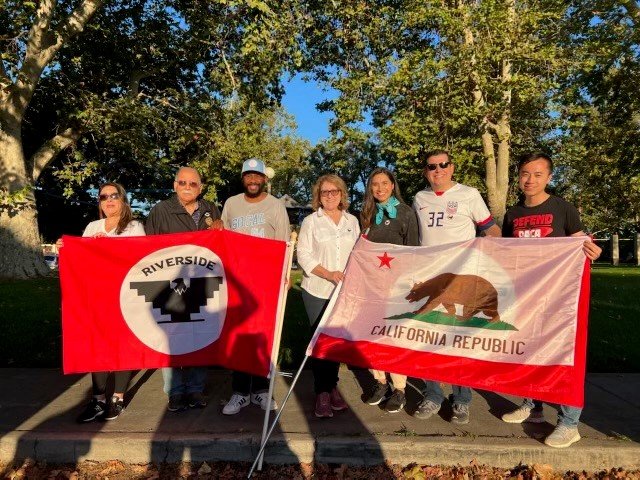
116,220
326,239
385,218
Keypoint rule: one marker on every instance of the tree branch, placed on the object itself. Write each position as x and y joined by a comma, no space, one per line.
50,150
135,79
43,44
229,70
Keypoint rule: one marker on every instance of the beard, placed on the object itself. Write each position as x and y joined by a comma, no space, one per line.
253,195
258,191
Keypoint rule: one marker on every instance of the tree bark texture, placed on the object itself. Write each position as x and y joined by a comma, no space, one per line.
20,251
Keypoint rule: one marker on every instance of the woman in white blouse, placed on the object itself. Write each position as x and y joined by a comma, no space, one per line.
326,239
116,220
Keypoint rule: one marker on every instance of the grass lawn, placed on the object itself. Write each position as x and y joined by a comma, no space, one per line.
614,323
30,311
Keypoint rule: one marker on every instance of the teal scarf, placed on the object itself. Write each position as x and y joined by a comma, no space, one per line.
389,207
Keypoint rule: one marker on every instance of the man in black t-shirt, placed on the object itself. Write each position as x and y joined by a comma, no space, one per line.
544,215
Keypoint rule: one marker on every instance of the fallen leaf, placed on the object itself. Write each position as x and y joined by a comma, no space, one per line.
307,470
204,469
543,471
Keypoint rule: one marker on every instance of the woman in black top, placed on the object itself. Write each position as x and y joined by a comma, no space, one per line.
386,218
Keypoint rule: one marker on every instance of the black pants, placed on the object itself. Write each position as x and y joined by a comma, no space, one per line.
325,372
99,381
244,383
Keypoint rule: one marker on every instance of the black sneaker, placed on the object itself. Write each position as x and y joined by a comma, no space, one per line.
196,400
94,409
381,392
396,402
116,406
175,403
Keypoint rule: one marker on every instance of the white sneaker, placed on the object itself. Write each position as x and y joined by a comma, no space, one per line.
562,437
523,414
235,403
262,399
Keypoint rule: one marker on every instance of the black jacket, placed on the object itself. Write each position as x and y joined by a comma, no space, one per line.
169,216
402,230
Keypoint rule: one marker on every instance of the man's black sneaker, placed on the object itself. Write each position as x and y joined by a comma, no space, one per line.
196,400
396,402
116,406
94,409
381,392
175,403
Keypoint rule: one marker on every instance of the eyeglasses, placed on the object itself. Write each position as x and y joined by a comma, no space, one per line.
184,183
442,165
109,196
330,193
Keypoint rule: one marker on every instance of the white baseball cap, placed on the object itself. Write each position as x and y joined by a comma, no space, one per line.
253,165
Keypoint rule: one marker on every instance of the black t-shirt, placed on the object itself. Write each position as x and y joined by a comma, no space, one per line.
554,217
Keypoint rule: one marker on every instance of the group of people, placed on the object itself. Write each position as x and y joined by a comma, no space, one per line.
444,212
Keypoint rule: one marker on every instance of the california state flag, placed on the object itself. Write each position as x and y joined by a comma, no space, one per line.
499,314
184,299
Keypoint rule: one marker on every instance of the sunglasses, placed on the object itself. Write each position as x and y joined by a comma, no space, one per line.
108,196
329,193
184,183
442,165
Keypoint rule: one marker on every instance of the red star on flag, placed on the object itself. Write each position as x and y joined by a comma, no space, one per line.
385,260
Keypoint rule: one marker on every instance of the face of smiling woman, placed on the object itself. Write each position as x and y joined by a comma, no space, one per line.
381,187
111,207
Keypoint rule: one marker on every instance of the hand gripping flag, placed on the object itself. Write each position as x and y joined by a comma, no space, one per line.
506,315
185,299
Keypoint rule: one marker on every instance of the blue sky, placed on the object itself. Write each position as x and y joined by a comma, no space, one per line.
300,100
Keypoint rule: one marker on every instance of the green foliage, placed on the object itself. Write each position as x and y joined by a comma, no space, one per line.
351,156
600,145
410,66
156,84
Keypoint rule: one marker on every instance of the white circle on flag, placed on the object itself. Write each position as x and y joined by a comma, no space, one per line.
175,299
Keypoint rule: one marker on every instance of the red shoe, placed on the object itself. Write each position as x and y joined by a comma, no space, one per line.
337,402
323,406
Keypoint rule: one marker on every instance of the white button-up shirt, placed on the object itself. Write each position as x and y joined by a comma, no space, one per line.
322,242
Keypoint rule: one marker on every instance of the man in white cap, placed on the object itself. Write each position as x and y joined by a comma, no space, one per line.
257,213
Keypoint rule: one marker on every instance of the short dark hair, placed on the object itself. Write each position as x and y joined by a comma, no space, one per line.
425,155
532,157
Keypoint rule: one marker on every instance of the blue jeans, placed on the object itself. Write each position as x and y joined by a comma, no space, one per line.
432,391
184,380
567,416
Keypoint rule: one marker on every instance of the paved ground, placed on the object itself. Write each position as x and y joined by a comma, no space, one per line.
38,408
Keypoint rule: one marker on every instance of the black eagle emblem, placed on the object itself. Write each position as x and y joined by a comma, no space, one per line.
179,298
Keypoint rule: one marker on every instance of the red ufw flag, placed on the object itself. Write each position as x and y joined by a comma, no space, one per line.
185,299
499,314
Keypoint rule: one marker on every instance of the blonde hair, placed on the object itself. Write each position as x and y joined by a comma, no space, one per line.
316,201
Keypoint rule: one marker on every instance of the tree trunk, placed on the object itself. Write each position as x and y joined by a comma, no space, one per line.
20,250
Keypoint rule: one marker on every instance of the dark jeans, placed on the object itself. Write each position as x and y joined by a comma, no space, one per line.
99,381
244,383
325,372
